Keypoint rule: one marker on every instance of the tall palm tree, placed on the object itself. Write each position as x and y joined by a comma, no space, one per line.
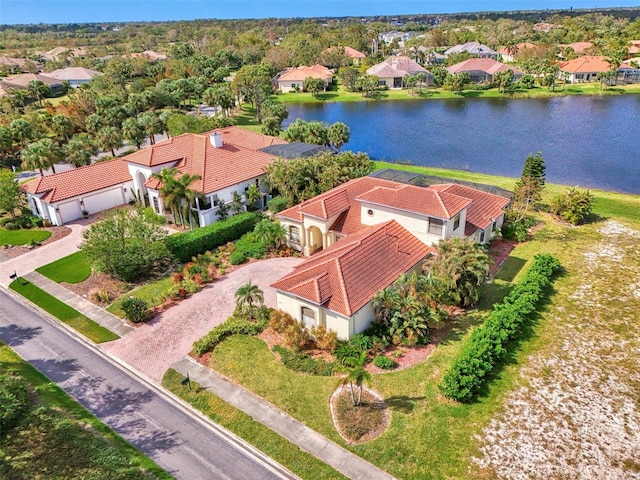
110,138
356,375
271,234
248,294
176,194
39,155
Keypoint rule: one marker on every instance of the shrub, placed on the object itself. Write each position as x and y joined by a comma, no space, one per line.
361,342
384,362
231,326
575,206
250,246
135,309
237,258
280,321
99,295
296,335
303,363
189,244
325,339
487,344
277,204
14,401
345,350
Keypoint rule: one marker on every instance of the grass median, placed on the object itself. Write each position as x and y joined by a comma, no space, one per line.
62,311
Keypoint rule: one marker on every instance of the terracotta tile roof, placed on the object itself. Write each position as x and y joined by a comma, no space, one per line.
399,66
483,209
425,201
236,161
80,181
486,65
351,189
345,276
519,48
349,52
586,64
303,72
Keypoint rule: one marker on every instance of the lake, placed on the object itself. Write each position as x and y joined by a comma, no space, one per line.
589,141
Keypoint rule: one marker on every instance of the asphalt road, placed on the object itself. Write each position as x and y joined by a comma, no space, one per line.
176,437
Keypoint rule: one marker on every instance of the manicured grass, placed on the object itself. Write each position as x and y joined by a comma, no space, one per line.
149,292
65,440
73,268
341,95
269,442
62,312
22,237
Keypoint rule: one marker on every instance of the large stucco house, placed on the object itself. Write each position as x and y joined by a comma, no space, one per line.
362,235
292,79
227,159
482,69
391,72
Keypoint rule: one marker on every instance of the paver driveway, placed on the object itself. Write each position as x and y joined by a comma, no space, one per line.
155,346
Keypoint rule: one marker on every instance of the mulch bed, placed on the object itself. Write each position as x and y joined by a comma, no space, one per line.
499,251
359,424
56,234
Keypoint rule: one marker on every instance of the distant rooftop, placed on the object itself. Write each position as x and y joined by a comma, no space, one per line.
295,150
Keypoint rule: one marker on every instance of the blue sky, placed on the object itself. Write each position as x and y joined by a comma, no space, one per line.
79,11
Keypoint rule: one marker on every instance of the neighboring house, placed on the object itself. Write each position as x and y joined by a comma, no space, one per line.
76,76
64,197
148,54
577,47
334,288
19,65
228,160
392,71
355,55
20,82
63,53
482,69
545,27
583,69
508,54
292,79
366,233
634,47
474,48
627,73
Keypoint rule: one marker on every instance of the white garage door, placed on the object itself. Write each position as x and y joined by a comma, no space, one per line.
103,200
70,211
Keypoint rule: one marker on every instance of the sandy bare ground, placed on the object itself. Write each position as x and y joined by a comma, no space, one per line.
577,415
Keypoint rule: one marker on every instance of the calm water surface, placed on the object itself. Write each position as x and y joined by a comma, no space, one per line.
593,142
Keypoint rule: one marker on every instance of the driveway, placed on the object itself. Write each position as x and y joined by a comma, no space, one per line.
154,347
46,254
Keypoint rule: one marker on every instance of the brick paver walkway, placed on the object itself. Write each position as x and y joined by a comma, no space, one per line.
154,347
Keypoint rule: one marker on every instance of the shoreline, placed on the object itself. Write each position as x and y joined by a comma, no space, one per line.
342,96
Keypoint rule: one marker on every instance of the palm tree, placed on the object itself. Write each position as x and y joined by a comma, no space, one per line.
62,126
79,149
40,155
252,195
271,234
356,374
110,138
176,194
133,131
248,294
38,90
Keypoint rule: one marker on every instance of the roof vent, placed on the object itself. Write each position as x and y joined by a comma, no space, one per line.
216,139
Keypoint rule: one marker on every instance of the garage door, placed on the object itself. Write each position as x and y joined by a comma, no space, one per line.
70,211
103,200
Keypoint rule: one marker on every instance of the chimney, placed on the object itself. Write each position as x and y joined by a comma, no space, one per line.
216,139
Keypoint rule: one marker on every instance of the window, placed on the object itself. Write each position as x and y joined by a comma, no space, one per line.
204,203
35,207
456,222
246,189
294,235
482,237
435,226
308,316
156,206
215,199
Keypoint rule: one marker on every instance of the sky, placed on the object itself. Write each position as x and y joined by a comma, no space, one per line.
85,11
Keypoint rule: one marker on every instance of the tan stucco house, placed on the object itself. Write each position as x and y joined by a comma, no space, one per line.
335,226
292,79
391,72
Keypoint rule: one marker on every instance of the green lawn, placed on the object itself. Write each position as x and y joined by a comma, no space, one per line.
64,440
22,237
73,268
150,292
341,95
62,311
269,442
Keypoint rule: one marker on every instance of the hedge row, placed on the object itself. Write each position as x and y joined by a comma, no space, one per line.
487,344
189,244
231,326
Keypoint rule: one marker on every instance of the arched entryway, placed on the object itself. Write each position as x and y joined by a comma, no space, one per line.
142,193
314,242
